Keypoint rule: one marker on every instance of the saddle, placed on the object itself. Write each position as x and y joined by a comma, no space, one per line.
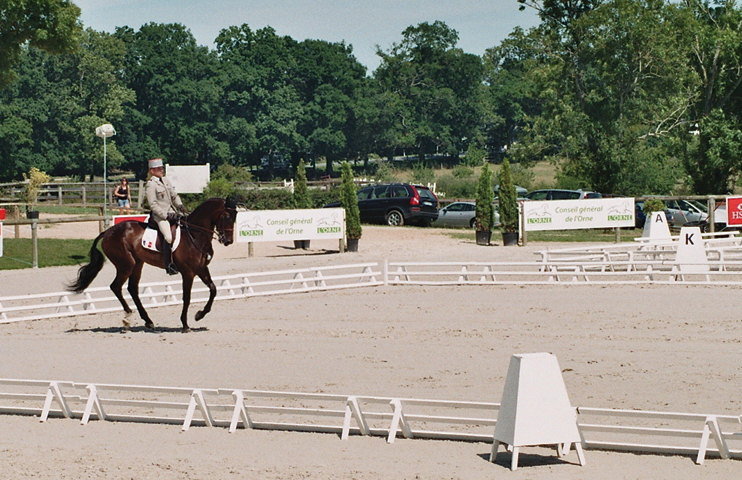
152,237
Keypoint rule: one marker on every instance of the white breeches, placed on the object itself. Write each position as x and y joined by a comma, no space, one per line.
165,229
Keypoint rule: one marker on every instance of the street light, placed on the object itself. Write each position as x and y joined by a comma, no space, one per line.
105,131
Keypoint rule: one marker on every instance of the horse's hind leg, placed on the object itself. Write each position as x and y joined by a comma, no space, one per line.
133,289
121,275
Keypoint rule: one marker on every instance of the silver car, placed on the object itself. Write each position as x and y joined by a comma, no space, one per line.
686,211
459,214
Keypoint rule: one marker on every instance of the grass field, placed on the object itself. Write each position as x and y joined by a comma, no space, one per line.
594,236
53,252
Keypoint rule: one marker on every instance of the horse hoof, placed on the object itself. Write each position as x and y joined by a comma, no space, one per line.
200,315
149,325
185,330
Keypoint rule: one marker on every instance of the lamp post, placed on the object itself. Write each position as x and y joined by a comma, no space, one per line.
105,131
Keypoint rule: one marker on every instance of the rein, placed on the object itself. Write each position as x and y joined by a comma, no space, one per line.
187,226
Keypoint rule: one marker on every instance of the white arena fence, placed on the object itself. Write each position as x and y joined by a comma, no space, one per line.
698,435
100,300
594,265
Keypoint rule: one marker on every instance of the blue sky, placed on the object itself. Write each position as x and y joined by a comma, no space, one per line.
364,24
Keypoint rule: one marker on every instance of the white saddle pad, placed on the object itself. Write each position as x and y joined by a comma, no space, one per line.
149,239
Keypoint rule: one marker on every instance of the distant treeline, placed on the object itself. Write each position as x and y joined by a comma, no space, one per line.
627,96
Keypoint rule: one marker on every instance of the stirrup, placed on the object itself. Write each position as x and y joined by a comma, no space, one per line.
171,269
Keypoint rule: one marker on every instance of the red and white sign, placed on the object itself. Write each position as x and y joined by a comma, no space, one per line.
734,210
123,218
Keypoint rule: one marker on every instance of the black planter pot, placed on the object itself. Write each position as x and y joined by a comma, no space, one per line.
303,244
509,239
352,244
31,214
483,237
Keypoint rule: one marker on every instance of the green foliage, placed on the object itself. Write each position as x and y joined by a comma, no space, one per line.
461,171
349,201
713,161
474,156
301,195
653,205
264,199
384,172
221,188
456,187
233,173
422,174
223,181
607,90
50,25
522,175
485,209
431,91
508,199
34,180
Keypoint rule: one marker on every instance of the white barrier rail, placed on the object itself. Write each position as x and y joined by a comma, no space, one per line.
390,417
99,300
588,270
573,272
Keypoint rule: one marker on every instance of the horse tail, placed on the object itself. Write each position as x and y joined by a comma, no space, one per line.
87,273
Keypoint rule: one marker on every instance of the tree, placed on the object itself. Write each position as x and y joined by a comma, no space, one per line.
508,199
50,25
613,72
485,210
301,194
433,91
349,202
711,138
177,108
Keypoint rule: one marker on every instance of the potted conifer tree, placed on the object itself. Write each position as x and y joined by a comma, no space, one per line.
349,201
484,218
35,179
301,197
508,205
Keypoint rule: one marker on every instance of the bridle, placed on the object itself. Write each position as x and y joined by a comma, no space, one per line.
220,234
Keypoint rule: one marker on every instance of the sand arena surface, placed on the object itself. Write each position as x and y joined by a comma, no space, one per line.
669,348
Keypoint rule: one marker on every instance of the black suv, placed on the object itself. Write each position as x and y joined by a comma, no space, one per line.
396,204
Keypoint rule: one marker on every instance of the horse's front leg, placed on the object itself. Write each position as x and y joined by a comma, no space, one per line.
187,286
205,277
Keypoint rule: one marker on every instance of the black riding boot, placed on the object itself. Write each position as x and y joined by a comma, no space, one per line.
167,255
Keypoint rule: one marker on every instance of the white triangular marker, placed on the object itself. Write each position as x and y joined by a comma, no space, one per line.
691,257
535,408
656,227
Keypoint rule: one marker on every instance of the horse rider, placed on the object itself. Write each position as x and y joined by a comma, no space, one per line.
164,204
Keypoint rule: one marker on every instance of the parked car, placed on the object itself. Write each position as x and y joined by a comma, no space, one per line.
557,194
520,192
687,211
641,218
460,214
396,204
720,220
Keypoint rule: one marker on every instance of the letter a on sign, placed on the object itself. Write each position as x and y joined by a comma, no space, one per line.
655,227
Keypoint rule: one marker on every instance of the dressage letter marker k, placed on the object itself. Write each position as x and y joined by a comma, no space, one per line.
689,239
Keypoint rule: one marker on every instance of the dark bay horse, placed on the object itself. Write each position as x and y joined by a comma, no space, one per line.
122,244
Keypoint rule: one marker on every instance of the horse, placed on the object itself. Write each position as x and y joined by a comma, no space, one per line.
122,244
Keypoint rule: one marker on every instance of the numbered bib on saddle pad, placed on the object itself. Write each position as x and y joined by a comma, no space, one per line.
150,239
